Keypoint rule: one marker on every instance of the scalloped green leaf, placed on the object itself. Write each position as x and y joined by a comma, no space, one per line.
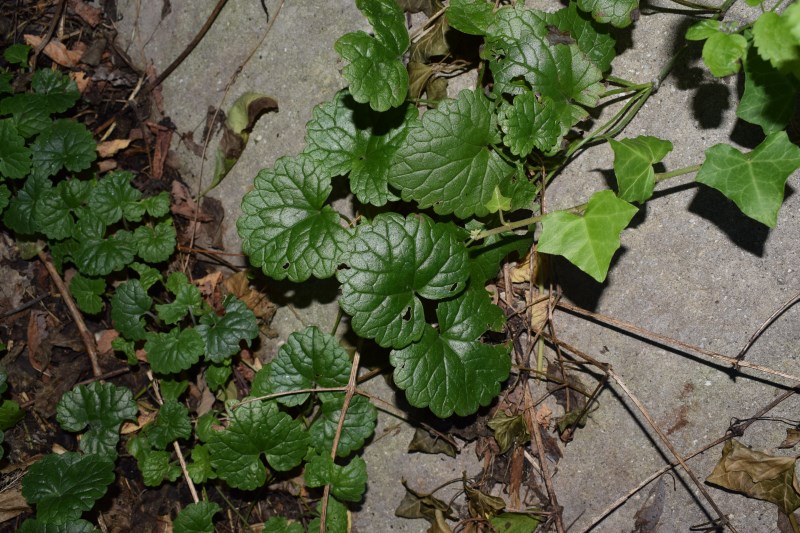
101,406
286,228
633,165
97,256
359,425
155,244
618,13
778,41
66,144
129,303
308,359
592,39
52,215
5,197
376,72
222,334
755,181
200,469
113,196
702,30
28,111
10,414
279,524
60,90
470,16
393,260
257,428
157,205
588,241
21,213
87,293
64,486
769,97
722,53
348,137
446,162
218,374
530,122
187,299
347,482
172,423
17,54
156,467
196,518
15,157
148,275
449,370
173,351
73,526
338,518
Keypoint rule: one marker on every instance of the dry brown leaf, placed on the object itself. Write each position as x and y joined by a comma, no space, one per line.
110,148
540,311
90,15
256,301
649,514
103,339
757,475
12,504
792,438
183,204
106,165
440,524
543,414
55,50
81,80
163,141
38,350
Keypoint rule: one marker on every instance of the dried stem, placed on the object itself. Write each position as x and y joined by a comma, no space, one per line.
793,300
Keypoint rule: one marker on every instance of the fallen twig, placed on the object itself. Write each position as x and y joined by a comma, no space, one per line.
793,300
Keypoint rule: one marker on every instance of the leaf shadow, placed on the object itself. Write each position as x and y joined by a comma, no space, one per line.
299,295
580,288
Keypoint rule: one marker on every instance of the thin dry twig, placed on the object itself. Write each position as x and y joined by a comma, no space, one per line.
793,300
86,335
49,34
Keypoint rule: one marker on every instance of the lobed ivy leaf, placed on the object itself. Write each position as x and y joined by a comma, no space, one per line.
286,228
28,111
172,423
87,293
113,197
470,16
445,162
450,370
619,13
129,303
754,181
592,39
196,518
359,424
15,157
347,482
348,137
73,526
633,165
257,428
66,144
187,299
769,97
100,406
200,469
222,334
64,486
530,122
391,261
308,359
60,90
588,241
176,350
376,72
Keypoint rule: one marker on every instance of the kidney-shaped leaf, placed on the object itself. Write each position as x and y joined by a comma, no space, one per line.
67,144
73,526
450,370
392,260
129,303
286,228
222,334
633,165
754,181
359,424
616,12
256,428
588,241
173,351
347,482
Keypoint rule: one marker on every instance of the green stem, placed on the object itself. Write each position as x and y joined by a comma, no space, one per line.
623,82
698,7
661,176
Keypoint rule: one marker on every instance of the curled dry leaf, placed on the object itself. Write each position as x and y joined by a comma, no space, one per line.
56,51
110,148
91,15
792,438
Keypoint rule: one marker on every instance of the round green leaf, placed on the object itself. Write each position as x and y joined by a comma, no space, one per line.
129,303
222,334
615,12
15,157
87,292
359,424
60,90
196,518
531,121
172,423
67,144
173,351
347,482
113,196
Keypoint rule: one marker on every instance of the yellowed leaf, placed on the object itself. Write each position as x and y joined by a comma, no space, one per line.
110,148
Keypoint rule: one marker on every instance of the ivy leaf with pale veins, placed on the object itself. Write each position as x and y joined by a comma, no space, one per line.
347,482
754,181
15,157
257,428
530,122
777,39
348,137
450,370
101,406
588,241
445,161
616,12
129,303
66,144
65,486
196,518
286,228
633,165
359,424
87,292
176,350
769,96
172,423
308,359
222,334
392,260
376,72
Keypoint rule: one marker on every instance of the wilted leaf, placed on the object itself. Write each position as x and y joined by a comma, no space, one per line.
421,505
514,523
792,438
483,505
426,442
509,430
649,514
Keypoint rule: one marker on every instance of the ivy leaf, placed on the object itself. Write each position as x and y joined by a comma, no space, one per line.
308,359
172,423
446,162
73,526
285,227
359,424
15,157
376,72
155,244
222,334
722,53
616,12
592,39
392,260
754,181
347,482
200,469
347,137
450,370
176,350
256,428
129,303
472,17
60,90
64,486
530,122
633,165
101,406
187,299
97,256
66,144
196,518
113,196
769,96
588,241
778,41
87,293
